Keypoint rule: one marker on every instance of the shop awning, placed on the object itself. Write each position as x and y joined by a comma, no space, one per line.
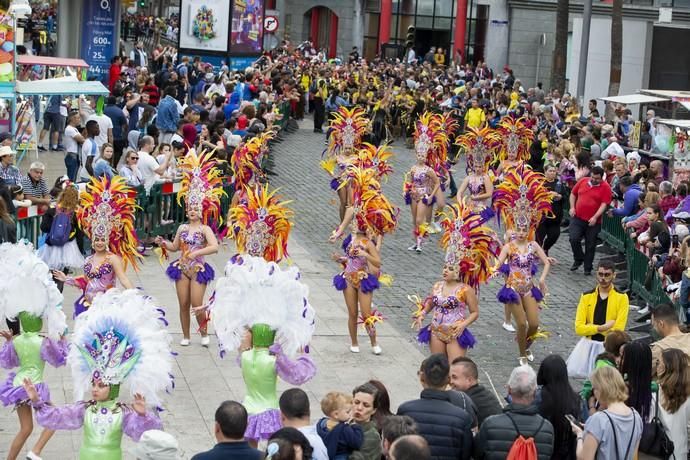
682,124
630,99
25,59
674,95
58,86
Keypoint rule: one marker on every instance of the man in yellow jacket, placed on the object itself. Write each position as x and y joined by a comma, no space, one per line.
601,310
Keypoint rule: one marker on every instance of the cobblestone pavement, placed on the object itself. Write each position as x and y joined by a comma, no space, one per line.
302,180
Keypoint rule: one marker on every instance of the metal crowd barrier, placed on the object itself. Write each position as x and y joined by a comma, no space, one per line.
158,212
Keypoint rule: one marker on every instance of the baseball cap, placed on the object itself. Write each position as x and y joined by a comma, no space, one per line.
156,445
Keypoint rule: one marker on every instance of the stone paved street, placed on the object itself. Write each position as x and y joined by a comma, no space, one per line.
203,380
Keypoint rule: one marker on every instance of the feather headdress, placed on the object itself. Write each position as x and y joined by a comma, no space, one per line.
347,127
373,212
522,199
122,339
255,291
245,163
376,158
481,147
27,286
262,224
201,187
516,138
429,137
470,245
106,210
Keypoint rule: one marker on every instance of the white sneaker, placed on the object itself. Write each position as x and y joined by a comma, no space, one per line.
376,350
184,342
419,249
523,361
413,247
205,341
530,356
354,348
31,456
508,327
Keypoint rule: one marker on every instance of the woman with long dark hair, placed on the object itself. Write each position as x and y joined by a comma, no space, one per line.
674,389
382,403
636,367
557,400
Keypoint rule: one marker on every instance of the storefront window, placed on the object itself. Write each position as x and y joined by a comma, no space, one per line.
403,23
442,23
407,6
425,7
425,22
444,8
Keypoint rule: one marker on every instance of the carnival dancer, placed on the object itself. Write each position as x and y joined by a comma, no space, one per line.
106,215
522,200
201,189
264,311
471,249
422,182
438,160
345,132
516,140
246,169
28,293
120,340
480,146
370,214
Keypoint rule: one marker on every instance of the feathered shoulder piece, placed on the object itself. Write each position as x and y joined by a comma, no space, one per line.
255,291
347,128
481,147
470,245
261,224
377,158
122,339
373,211
429,136
26,285
522,199
106,210
201,187
516,137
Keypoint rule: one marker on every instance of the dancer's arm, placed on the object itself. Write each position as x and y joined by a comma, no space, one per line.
473,307
137,419
119,269
294,372
347,218
211,244
8,355
463,187
370,253
172,247
547,266
69,417
54,352
489,190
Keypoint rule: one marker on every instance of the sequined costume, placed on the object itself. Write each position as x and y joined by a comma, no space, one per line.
96,279
476,186
356,269
114,344
519,270
419,183
197,268
447,311
345,132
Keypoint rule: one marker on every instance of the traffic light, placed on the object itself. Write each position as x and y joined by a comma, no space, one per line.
142,3
410,38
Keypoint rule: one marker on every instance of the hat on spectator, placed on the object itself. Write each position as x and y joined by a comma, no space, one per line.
6,150
634,155
156,445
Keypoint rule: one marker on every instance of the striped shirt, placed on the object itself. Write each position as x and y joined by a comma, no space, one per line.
36,189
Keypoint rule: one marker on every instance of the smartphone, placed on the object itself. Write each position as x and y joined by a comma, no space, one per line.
572,419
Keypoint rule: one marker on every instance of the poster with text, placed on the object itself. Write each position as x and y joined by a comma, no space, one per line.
204,25
247,27
98,42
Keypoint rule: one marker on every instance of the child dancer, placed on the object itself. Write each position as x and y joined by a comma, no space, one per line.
27,292
106,215
471,248
119,341
523,200
201,189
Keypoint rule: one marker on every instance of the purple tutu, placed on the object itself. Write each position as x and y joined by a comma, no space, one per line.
429,202
537,294
11,395
504,269
263,425
508,295
408,198
487,214
80,306
466,340
203,276
339,282
369,284
335,183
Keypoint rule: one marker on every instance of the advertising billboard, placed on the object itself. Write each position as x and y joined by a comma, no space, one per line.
98,41
247,27
204,25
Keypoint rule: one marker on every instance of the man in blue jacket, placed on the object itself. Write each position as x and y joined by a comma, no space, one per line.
438,413
631,194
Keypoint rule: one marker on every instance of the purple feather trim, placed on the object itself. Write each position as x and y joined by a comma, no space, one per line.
347,241
369,284
443,186
339,282
335,183
79,306
537,294
508,295
504,269
487,214
466,339
408,198
206,275
11,395
424,335
534,269
173,272
263,425
429,203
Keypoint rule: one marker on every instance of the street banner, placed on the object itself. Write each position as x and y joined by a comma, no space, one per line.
98,36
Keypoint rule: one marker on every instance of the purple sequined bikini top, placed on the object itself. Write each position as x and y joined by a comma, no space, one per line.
192,240
103,270
354,262
476,186
447,303
522,262
421,176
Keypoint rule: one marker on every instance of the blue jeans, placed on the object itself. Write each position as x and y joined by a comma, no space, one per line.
72,165
684,293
